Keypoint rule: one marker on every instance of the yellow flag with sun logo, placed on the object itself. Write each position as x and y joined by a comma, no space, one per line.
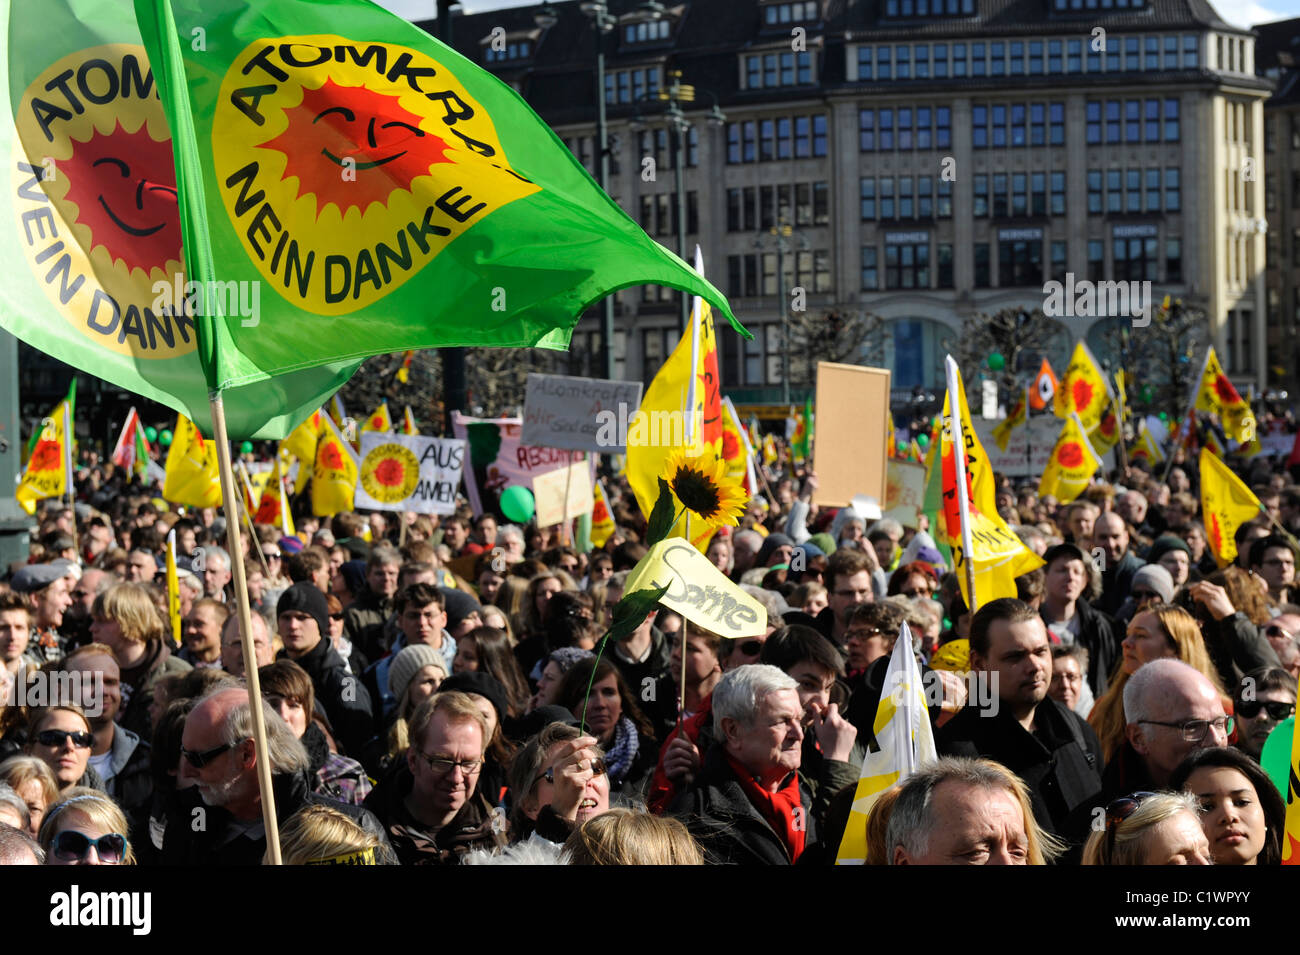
1083,390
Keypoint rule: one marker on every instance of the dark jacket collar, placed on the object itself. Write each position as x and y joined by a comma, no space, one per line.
318,659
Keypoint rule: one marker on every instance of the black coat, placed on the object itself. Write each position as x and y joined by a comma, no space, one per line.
344,696
1237,646
725,823
220,841
1099,635
1060,761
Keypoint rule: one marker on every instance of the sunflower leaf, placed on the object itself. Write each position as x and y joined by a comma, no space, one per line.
661,517
630,612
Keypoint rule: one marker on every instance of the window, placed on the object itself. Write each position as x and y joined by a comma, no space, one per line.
1018,124
646,32
887,198
1019,194
772,69
1171,121
1132,57
925,197
1132,121
766,208
1059,264
1000,200
1133,190
1114,191
766,140
959,59
941,61
1018,58
921,56
864,62
515,50
1153,190
924,128
1173,260
886,129
1058,194
905,128
906,199
1037,124
997,59
1152,44
1056,117
945,264
999,126
884,63
978,62
943,127
819,135
944,202
1096,260
1074,50
907,265
1038,193
1093,119
1112,57
1094,58
1112,121
1171,53
870,274
867,130
1151,123
1094,191
979,126
903,62
821,203
1191,50
981,205
784,144
1036,57
982,277
1135,260
735,210
769,139
868,199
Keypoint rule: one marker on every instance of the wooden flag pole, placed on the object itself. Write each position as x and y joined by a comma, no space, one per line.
229,494
681,693
67,446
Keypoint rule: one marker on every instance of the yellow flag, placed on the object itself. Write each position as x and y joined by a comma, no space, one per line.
1212,443
1017,417
998,555
1083,390
602,521
334,476
191,471
769,449
1226,504
273,504
408,422
906,743
1072,464
379,419
1291,837
1217,395
1145,447
46,474
173,591
301,443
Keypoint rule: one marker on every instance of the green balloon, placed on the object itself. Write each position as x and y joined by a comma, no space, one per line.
151,435
517,504
996,361
1164,416
165,437
246,447
1276,757
922,441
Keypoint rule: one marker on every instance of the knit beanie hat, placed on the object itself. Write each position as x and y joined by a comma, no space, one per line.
410,661
306,598
1156,579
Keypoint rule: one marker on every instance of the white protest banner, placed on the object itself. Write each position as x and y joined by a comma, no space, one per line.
549,492
408,472
578,414
698,590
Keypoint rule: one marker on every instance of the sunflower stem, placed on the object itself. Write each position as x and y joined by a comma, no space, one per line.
582,728
679,516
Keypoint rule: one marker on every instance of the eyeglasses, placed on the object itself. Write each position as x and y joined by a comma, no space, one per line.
1196,730
1273,630
598,768
269,556
1277,710
863,633
199,760
1118,811
336,616
441,765
72,846
80,739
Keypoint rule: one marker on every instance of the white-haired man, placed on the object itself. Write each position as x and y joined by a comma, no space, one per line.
748,804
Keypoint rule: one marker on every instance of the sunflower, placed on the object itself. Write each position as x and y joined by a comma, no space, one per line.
700,484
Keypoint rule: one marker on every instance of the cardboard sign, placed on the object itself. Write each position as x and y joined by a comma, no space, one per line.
407,472
578,414
549,493
905,491
697,590
850,433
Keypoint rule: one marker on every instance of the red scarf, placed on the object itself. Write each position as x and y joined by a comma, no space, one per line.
780,808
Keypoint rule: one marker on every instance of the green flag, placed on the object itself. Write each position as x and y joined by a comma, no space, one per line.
381,191
89,226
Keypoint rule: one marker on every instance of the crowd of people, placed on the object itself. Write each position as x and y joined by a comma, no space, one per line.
439,693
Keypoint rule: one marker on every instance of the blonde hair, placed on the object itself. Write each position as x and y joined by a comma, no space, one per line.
318,835
18,771
94,806
38,714
459,708
1184,635
132,609
1129,844
630,837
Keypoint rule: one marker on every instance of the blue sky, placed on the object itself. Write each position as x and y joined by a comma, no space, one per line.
1242,12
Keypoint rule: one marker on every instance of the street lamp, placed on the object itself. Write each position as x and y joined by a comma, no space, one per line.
602,23
782,234
675,94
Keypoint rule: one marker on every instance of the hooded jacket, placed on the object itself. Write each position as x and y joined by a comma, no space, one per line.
346,702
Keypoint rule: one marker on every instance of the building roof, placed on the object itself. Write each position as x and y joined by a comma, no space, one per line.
1277,53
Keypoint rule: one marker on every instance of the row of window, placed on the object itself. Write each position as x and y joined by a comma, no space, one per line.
647,32
790,137
659,144
628,86
929,8
755,274
1019,194
921,127
588,153
1132,121
1135,190
923,61
774,14
907,197
519,50
1017,124
755,208
659,214
1019,263
1061,6
768,70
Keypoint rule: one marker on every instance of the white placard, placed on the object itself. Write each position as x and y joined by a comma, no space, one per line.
409,472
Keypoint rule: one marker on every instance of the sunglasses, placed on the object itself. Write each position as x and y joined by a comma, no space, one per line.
750,648
199,760
275,556
1118,811
1273,630
80,739
1277,710
72,846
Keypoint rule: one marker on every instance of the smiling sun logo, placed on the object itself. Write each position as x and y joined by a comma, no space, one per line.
346,167
94,193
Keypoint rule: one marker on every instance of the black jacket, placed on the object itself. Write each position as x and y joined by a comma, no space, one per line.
725,823
363,622
1060,761
222,840
1099,635
476,826
1237,646
661,708
344,696
1116,581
